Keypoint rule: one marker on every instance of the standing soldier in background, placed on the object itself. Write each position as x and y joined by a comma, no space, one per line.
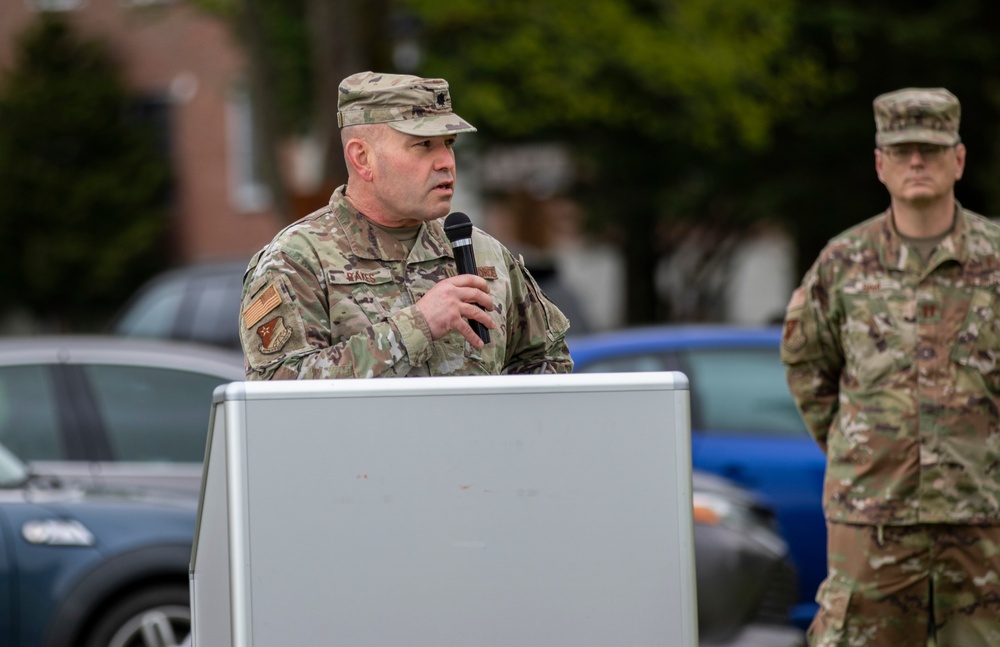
892,345
368,287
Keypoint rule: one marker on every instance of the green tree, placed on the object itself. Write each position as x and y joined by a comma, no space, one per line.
821,172
706,116
716,115
653,95
640,88
82,188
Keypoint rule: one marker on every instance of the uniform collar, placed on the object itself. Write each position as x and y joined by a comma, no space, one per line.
896,254
370,242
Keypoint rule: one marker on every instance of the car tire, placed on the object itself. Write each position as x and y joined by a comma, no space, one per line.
154,617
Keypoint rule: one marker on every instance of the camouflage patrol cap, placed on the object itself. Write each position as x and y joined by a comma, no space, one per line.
409,104
922,115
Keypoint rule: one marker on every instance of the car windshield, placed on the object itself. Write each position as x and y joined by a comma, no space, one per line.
154,314
742,391
12,471
739,390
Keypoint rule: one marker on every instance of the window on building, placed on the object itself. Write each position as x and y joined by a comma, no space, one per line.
249,190
55,5
151,114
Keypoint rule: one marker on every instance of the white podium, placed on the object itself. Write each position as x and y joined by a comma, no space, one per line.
511,511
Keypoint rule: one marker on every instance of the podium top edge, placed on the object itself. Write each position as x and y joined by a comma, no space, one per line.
472,384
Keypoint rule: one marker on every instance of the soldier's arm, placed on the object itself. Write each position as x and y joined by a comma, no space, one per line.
537,328
286,331
810,351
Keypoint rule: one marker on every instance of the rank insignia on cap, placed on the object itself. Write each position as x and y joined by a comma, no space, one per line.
273,335
267,301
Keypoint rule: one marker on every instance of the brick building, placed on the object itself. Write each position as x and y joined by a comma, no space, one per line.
187,74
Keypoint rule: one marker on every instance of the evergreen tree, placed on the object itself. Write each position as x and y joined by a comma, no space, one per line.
82,186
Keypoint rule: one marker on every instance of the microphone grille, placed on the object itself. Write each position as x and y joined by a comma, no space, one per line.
457,226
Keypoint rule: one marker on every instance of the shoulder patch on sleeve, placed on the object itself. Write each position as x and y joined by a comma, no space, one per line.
793,338
273,335
265,302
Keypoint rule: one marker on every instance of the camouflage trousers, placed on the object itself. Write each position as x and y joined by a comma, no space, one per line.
894,586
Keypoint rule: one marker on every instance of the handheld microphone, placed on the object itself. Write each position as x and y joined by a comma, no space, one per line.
458,228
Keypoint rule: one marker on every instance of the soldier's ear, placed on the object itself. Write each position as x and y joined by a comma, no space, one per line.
879,161
959,161
360,158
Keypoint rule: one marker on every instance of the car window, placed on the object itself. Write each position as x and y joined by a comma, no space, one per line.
153,414
215,312
742,391
630,364
29,425
12,471
154,314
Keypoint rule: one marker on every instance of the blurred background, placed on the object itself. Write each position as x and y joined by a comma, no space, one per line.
653,160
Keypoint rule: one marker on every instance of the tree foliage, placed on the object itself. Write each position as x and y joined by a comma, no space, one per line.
691,118
820,173
707,72
713,116
654,96
82,189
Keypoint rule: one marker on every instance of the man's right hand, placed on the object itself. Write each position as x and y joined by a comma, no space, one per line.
452,302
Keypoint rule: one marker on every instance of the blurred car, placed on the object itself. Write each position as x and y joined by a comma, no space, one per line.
744,578
744,423
97,410
123,412
87,568
197,303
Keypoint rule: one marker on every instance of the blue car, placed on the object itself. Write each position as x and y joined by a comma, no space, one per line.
744,424
87,568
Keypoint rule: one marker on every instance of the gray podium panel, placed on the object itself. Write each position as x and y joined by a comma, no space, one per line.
543,510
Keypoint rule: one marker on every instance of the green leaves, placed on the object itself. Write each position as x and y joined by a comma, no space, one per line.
705,72
82,188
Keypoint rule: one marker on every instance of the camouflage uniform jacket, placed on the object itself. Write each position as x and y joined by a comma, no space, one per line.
894,367
333,296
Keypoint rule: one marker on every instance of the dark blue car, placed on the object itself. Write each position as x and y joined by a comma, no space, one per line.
744,423
87,568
